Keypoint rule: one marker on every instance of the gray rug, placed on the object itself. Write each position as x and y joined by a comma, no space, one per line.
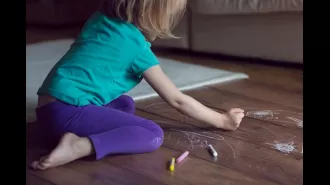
41,57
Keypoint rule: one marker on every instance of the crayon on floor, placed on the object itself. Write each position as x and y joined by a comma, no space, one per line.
212,150
182,157
172,165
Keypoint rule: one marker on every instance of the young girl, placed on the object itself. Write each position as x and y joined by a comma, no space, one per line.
81,105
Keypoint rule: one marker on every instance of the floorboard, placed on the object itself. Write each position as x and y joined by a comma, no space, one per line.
34,180
251,131
193,171
245,157
263,92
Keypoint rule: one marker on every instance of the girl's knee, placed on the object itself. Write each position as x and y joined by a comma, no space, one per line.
156,144
157,130
159,136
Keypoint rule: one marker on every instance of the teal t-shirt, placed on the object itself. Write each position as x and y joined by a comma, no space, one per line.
106,60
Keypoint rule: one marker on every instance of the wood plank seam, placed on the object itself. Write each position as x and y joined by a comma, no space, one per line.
248,97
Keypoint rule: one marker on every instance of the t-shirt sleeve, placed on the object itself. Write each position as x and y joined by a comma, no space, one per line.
144,60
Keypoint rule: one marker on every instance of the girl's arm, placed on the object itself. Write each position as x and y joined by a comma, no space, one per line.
189,106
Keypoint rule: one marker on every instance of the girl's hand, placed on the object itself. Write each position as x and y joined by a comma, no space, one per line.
231,119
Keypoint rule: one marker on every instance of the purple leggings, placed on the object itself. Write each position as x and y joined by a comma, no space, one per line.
113,129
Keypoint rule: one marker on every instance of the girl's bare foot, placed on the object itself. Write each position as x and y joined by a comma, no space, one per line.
232,119
70,148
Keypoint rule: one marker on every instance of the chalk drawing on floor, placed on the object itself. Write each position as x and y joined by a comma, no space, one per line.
282,116
191,140
298,121
284,147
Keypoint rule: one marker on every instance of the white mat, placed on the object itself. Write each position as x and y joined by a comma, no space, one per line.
41,57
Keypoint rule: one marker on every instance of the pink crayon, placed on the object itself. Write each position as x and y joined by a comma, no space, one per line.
183,156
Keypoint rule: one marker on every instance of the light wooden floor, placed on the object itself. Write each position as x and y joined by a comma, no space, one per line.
246,156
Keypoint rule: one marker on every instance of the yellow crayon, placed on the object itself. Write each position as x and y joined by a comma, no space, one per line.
172,164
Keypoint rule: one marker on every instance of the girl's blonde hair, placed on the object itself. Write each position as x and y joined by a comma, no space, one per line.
155,18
